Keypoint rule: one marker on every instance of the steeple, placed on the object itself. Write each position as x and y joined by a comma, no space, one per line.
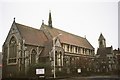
102,41
50,20
101,37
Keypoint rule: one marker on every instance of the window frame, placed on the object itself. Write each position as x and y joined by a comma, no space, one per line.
14,51
33,54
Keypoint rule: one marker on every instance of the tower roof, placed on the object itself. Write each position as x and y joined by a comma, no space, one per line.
101,37
50,20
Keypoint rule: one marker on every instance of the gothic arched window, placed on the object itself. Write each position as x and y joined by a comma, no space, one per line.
12,50
33,57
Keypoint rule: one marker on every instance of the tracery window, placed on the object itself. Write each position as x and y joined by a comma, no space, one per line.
12,50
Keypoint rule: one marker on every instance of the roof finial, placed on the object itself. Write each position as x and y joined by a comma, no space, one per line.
42,22
50,19
14,19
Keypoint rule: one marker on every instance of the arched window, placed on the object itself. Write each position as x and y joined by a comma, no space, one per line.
33,56
12,50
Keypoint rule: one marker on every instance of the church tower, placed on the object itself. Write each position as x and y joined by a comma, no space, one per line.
102,41
50,20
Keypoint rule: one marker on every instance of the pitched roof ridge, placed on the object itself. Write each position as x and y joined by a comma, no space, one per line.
79,40
63,31
69,33
108,47
105,48
28,27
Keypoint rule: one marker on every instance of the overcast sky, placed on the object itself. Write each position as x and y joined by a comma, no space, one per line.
81,17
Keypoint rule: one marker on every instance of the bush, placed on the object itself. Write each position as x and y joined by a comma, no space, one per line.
61,73
32,69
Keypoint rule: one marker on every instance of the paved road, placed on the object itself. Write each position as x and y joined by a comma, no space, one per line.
78,78
93,78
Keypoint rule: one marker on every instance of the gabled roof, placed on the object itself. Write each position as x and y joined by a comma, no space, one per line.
69,38
104,51
116,52
31,35
101,37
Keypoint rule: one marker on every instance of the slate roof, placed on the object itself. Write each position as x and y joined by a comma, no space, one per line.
69,38
47,49
34,36
31,35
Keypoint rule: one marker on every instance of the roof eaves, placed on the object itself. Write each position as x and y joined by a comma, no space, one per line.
16,24
34,44
89,43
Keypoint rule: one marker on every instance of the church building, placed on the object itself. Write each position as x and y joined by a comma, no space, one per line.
25,46
105,57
